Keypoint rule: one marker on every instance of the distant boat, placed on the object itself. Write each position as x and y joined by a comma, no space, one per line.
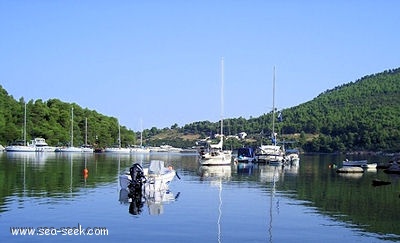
292,156
117,148
359,163
268,153
215,154
36,145
394,168
354,162
140,149
20,146
245,155
71,148
272,154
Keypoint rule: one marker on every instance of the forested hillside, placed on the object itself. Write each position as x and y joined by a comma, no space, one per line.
52,120
361,115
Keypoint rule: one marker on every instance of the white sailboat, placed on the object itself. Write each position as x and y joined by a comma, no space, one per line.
140,149
216,155
36,145
118,148
271,153
71,148
21,146
87,148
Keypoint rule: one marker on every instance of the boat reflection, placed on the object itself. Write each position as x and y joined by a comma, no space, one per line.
215,171
154,200
245,168
270,173
38,158
216,174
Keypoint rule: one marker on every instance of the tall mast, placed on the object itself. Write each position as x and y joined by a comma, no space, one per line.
222,101
273,109
141,133
72,126
25,125
86,131
119,135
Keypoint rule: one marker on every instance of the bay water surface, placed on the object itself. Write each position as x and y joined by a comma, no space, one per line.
50,197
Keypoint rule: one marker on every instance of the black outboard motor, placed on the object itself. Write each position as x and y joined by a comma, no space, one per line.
138,178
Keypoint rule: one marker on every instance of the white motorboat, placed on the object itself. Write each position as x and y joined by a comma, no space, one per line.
36,145
268,153
155,177
41,145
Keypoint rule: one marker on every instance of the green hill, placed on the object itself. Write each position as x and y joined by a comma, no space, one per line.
52,120
361,115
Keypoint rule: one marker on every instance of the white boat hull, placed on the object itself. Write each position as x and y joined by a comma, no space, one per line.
153,181
117,150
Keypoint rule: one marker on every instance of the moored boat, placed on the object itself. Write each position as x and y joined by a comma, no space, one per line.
245,155
36,145
394,168
156,177
359,163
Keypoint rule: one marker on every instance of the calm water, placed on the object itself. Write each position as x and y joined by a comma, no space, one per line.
310,203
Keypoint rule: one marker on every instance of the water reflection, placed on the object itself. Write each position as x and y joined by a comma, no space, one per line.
217,174
44,179
37,158
215,171
154,200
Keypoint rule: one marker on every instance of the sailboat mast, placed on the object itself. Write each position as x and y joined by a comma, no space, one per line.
72,126
119,135
273,108
222,101
86,131
141,133
25,125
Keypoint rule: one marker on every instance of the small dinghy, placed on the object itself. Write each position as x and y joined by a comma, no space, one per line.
377,182
156,177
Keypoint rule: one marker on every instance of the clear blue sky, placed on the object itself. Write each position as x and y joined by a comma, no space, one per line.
159,61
